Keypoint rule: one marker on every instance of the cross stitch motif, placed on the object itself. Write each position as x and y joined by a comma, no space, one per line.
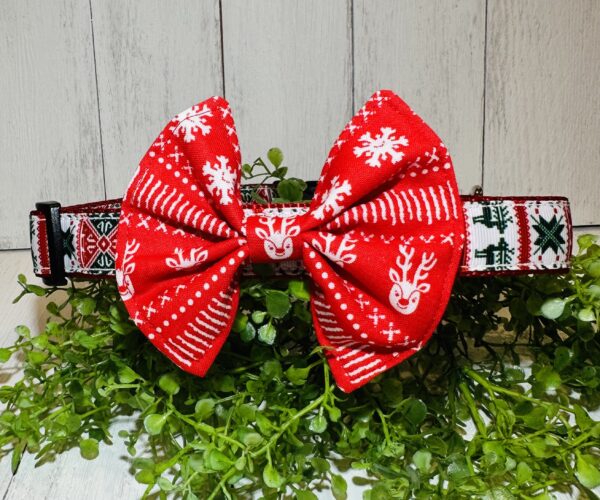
549,234
499,256
494,216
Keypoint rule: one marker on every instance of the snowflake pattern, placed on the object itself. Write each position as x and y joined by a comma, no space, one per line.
222,179
380,147
331,199
190,121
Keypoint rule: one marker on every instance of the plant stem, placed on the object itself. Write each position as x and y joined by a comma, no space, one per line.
307,409
464,389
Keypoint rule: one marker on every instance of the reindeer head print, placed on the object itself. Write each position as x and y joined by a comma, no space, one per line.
180,261
406,292
127,267
278,243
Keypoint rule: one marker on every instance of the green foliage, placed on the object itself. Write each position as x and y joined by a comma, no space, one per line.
268,418
288,189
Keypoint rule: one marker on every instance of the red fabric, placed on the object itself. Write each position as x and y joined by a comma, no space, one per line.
381,244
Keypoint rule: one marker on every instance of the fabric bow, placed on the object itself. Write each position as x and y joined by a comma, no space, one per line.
381,240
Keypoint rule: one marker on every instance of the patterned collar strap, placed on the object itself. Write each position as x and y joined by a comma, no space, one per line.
381,240
504,235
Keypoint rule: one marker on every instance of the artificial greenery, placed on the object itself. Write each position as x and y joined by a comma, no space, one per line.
461,419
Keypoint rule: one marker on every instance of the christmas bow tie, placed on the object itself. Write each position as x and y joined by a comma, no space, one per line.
381,240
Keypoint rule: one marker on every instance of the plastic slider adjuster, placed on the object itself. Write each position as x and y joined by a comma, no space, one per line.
51,211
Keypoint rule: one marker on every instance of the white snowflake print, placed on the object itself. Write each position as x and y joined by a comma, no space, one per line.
190,121
222,179
379,147
331,199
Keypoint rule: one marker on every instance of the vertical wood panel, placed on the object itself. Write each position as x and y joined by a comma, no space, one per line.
154,59
432,55
542,101
288,77
48,120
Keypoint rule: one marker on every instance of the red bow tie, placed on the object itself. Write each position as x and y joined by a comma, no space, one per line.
381,239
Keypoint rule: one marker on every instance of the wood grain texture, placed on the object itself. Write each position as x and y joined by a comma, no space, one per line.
154,59
69,477
542,101
288,77
29,311
432,55
48,120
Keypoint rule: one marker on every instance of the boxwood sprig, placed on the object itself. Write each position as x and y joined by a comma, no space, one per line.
463,418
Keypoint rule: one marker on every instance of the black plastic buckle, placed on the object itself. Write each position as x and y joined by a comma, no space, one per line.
51,211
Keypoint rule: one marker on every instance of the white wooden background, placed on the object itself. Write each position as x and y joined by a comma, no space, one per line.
85,85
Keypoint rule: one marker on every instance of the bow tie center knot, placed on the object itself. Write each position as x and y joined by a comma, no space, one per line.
273,238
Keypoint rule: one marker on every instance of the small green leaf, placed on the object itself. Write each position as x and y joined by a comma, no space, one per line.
289,190
553,308
305,495
318,424
250,438
86,306
204,408
258,316
278,303
415,411
524,473
37,357
127,375
154,423
339,487
17,455
586,240
145,476
36,290
280,173
169,383
271,477
299,289
586,314
422,460
240,322
249,333
587,473
334,413
5,354
224,383
217,460
88,448
267,334
582,418
23,331
562,357
297,376
275,156
321,465
164,484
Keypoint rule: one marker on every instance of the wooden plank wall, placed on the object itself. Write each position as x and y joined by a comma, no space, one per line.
510,85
